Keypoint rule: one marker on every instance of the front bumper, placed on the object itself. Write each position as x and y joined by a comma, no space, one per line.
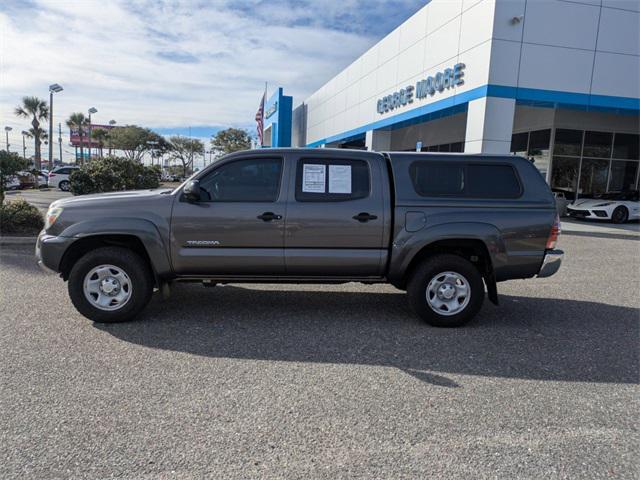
50,249
593,214
551,263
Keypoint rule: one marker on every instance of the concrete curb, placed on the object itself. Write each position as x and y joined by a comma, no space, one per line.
18,240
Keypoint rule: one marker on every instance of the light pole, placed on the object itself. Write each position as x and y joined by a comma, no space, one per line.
6,131
112,124
24,145
91,110
54,88
152,145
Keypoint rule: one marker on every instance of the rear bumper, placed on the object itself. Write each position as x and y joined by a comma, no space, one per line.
551,263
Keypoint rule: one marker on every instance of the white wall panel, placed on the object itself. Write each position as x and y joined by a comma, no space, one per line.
555,68
411,61
477,64
414,29
477,25
619,31
370,61
442,44
387,76
503,26
564,24
633,5
505,61
389,47
439,12
368,86
616,75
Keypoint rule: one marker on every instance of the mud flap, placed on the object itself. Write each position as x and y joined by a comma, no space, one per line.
492,288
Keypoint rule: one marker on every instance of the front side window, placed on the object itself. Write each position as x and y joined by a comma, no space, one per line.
250,180
332,180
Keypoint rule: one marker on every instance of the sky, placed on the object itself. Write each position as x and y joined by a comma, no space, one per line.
171,65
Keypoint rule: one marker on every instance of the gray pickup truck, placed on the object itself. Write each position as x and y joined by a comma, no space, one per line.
440,226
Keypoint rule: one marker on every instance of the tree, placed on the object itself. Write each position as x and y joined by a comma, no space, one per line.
38,111
100,135
133,140
39,133
184,149
231,140
77,121
10,164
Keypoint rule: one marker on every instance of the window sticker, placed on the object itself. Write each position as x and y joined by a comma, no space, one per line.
313,178
340,179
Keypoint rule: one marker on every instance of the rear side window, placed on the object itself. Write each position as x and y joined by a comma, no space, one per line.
464,180
494,181
436,178
331,180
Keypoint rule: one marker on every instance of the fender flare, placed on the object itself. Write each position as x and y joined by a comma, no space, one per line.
144,230
408,245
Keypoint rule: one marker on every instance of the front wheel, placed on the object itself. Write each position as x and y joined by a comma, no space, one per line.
446,291
110,284
64,186
620,215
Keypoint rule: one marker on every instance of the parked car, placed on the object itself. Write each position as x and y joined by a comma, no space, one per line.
618,207
59,178
438,226
12,183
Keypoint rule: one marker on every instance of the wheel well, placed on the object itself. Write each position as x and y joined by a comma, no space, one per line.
84,245
475,251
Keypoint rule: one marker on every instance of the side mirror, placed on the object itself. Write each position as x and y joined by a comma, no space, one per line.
192,191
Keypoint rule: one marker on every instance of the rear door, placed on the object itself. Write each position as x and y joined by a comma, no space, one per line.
336,215
238,226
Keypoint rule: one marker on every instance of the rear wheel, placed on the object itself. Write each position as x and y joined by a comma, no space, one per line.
110,284
446,291
620,215
64,185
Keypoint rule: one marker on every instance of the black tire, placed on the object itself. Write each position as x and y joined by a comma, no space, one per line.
132,264
620,215
430,269
64,185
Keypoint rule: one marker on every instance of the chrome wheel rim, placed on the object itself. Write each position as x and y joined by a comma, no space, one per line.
448,293
107,287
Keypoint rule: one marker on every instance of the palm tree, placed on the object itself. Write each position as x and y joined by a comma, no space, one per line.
38,134
78,121
100,135
38,111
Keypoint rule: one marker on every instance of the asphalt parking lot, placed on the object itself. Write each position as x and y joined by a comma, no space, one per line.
266,381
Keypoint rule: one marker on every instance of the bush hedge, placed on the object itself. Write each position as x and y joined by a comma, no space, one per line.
20,218
113,174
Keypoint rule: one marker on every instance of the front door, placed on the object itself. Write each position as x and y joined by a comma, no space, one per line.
336,216
238,226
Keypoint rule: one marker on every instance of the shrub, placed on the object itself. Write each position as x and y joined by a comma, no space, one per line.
113,174
20,217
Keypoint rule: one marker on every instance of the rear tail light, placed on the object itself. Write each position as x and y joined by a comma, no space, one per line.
554,234
52,175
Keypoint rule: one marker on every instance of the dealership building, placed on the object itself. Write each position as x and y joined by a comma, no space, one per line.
553,80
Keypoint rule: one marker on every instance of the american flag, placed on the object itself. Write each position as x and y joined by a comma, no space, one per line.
260,118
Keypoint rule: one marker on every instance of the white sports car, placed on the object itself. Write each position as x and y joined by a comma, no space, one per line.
617,207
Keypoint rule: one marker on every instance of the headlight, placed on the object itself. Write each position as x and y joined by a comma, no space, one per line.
604,204
52,216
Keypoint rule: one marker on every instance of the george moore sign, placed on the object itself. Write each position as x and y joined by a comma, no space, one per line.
448,78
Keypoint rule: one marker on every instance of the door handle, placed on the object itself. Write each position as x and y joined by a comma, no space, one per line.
268,216
364,217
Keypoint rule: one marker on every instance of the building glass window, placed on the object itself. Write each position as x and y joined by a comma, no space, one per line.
623,176
564,173
568,142
538,150
597,144
519,143
593,176
626,146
